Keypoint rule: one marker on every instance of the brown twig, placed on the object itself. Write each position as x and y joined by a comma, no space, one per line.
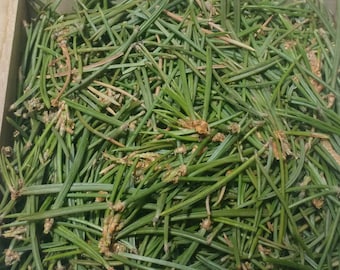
63,45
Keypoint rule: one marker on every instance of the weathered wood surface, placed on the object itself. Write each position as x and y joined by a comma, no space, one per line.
12,13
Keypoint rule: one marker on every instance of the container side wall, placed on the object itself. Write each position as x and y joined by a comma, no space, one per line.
12,43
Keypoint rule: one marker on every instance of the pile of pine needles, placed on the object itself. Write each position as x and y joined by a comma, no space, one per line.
175,135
